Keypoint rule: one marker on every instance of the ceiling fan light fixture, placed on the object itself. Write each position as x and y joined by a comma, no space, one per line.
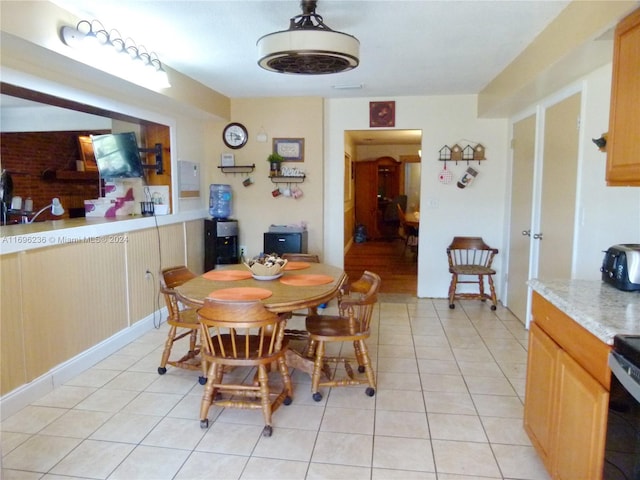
308,47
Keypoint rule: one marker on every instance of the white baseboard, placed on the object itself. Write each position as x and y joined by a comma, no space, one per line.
22,396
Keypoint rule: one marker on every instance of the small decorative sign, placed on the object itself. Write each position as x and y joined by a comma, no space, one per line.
382,114
291,149
227,160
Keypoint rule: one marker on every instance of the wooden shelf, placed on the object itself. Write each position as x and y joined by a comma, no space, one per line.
75,176
279,179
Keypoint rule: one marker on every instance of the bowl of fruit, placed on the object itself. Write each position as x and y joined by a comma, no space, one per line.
266,267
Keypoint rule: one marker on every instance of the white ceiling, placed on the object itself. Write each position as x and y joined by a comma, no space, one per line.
407,47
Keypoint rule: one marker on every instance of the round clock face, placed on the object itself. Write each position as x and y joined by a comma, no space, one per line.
235,135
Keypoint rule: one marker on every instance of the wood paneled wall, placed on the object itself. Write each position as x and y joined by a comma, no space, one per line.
60,301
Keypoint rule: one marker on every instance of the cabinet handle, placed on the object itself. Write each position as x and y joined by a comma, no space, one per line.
537,236
526,233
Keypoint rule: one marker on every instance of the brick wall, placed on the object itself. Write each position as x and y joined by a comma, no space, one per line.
26,155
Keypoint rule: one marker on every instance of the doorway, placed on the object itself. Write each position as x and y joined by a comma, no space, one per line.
390,161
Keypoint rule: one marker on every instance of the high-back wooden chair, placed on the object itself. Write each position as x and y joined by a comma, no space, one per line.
242,334
183,321
471,259
301,257
356,305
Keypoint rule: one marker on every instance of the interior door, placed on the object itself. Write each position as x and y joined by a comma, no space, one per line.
558,196
366,196
524,140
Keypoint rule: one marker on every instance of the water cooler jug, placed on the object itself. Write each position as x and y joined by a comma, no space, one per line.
220,242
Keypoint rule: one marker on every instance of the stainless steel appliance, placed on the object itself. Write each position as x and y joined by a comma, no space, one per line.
621,266
622,451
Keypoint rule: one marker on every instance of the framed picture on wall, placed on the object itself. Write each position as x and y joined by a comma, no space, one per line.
291,149
86,153
382,114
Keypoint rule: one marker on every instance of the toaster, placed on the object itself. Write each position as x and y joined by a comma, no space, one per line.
621,266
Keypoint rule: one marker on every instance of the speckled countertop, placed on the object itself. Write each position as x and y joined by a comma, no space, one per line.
600,308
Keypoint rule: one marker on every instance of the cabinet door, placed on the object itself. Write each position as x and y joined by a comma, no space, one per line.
579,424
539,394
623,144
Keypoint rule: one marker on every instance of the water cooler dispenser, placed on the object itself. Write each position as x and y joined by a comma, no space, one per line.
220,242
220,232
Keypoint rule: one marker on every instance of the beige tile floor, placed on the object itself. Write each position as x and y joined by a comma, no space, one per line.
448,406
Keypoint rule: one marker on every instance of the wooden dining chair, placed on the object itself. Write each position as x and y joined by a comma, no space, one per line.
410,232
243,334
295,333
183,321
471,258
301,257
352,324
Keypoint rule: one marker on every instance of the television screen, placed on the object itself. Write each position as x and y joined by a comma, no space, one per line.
117,155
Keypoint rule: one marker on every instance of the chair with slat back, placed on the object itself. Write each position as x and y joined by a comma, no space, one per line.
243,334
410,232
471,258
356,306
183,321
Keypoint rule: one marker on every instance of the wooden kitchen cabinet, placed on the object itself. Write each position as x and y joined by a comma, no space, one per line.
623,143
567,395
580,424
541,374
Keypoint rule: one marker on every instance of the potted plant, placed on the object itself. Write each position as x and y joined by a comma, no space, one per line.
275,160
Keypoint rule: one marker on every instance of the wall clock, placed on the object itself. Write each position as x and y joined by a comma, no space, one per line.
235,135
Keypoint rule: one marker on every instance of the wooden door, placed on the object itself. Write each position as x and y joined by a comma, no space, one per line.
580,422
366,196
543,357
524,137
558,196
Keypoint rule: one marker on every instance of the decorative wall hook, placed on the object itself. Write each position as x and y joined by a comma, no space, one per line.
458,153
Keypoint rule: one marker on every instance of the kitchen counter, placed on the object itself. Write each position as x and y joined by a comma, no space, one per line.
22,237
598,307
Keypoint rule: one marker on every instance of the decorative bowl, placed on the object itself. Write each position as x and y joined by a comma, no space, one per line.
266,266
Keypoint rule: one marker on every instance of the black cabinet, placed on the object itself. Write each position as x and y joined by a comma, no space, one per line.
285,242
220,243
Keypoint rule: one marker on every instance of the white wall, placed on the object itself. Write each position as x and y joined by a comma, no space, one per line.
446,211
606,215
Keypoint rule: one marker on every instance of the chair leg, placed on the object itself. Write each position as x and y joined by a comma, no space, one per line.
494,300
207,395
371,378
193,337
317,370
286,380
452,289
481,287
265,400
162,369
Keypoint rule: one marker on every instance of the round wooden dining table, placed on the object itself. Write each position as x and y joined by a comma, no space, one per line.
302,285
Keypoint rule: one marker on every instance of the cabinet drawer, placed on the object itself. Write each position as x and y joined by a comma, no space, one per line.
586,349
